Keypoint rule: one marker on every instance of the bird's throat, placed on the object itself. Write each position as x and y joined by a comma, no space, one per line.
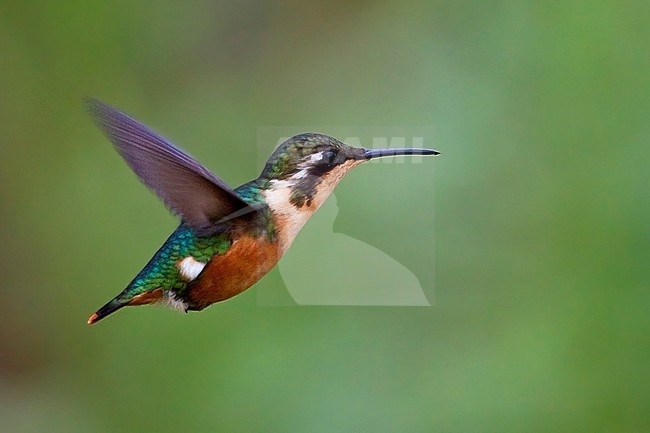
294,200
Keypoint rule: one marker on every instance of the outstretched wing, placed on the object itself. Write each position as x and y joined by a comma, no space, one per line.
190,190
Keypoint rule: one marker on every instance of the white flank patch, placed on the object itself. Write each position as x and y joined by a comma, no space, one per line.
174,303
190,268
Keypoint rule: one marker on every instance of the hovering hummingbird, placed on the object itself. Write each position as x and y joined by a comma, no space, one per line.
228,238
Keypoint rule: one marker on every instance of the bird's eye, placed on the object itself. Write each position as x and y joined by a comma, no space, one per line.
328,157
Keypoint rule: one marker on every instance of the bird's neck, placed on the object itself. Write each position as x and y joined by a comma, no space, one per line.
292,201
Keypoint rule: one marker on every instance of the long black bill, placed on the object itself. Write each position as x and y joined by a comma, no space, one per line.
378,153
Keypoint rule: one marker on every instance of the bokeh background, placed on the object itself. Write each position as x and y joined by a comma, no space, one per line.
529,235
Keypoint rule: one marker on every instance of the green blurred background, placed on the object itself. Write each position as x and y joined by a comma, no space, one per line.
537,212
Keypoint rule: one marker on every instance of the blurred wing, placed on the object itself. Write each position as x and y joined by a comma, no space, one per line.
190,190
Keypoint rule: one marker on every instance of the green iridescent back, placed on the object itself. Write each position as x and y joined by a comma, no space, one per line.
162,272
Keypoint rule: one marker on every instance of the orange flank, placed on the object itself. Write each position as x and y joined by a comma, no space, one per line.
245,262
147,297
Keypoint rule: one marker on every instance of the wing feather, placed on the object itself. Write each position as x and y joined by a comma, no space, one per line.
187,188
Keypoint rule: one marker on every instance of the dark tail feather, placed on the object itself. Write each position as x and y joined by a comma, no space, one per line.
111,307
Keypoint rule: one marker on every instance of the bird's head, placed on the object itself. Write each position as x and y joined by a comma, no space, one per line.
309,166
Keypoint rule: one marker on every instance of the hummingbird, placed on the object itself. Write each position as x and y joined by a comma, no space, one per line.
227,238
